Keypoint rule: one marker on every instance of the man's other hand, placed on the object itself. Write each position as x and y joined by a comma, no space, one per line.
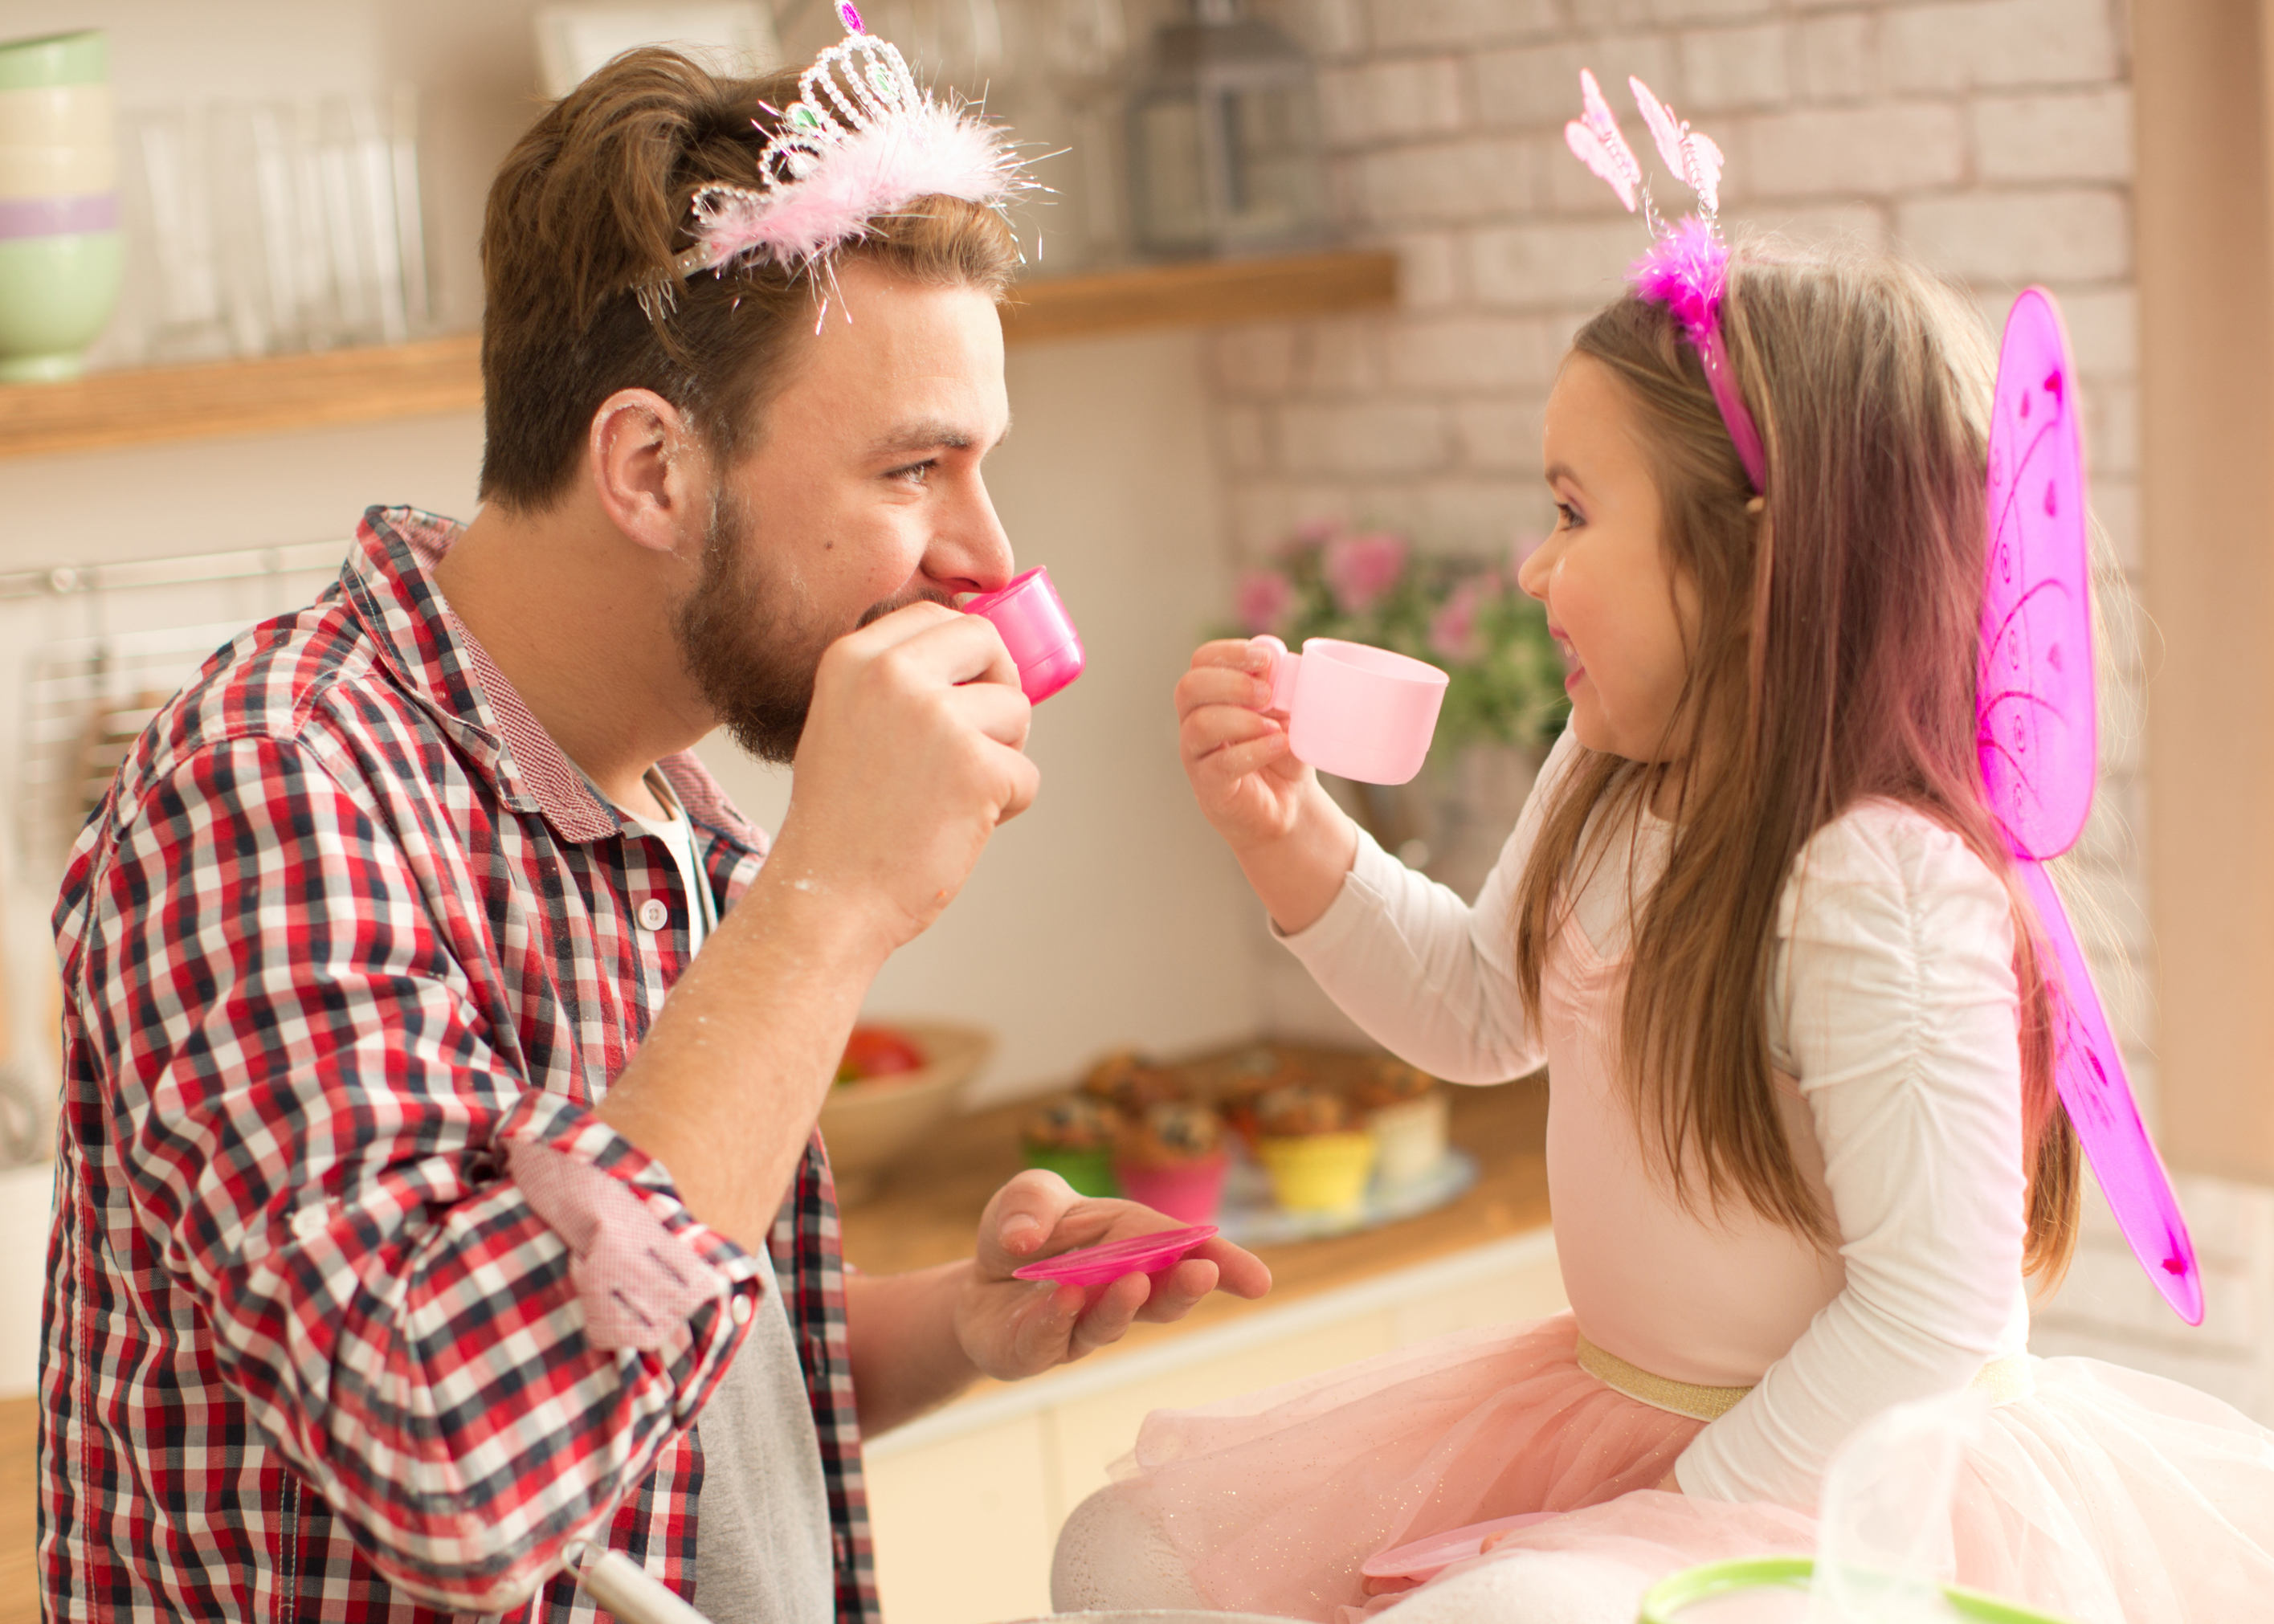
1011,1327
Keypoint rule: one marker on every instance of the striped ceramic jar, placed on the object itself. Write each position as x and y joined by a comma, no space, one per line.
60,256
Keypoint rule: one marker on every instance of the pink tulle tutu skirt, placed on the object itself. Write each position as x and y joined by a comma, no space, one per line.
2103,1497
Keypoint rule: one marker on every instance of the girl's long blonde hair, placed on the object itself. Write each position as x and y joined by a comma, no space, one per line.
1834,660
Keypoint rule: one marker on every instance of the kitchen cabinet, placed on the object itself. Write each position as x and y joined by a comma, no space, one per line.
967,1502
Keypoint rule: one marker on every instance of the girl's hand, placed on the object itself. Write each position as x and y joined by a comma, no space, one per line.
1293,843
1249,785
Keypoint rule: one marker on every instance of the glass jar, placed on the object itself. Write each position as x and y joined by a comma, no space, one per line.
1223,140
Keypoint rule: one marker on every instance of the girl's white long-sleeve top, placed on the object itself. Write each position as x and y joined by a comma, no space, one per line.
1894,1026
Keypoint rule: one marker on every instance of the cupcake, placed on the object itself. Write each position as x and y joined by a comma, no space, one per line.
1255,1075
1072,1137
1407,1111
1127,1082
1172,1158
1317,1157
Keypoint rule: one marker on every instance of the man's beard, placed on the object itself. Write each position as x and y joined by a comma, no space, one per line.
752,657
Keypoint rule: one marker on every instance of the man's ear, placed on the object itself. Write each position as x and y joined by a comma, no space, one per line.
649,469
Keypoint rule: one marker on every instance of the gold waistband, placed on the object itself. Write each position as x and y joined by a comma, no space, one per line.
2002,1381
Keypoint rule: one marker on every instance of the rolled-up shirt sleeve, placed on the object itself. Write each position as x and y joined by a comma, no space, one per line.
467,1309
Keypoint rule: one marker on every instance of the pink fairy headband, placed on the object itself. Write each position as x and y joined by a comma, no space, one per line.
861,142
1687,267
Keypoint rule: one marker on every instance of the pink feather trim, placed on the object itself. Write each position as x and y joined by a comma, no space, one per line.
1685,270
878,170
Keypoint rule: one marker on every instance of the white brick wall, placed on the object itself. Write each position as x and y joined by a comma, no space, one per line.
1990,138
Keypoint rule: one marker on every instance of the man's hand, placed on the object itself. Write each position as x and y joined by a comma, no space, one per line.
1011,1328
919,1339
910,758
912,755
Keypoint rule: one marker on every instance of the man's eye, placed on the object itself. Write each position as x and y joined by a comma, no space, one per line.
916,473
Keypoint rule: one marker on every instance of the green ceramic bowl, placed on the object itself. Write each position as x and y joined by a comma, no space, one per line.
81,58
56,294
1665,1602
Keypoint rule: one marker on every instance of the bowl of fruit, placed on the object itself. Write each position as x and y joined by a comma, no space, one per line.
896,1083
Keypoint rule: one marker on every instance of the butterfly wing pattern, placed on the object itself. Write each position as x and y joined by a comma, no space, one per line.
2036,732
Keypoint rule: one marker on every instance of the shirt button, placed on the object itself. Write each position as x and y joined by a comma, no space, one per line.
740,1310
310,1221
654,913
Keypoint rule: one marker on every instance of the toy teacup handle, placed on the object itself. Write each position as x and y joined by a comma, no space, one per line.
1286,667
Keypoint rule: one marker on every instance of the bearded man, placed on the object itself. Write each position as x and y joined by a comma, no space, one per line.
440,1198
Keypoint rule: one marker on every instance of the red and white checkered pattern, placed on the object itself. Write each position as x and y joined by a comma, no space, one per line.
349,933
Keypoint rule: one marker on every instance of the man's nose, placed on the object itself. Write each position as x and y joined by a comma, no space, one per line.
971,552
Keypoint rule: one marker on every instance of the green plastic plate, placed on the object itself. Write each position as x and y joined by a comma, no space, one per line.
1663,1602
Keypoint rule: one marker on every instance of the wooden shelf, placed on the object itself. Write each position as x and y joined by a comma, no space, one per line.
1205,293
280,393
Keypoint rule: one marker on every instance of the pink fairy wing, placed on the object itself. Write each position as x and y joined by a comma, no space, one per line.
2090,1069
1595,140
1664,129
2035,701
1694,158
2035,730
1588,148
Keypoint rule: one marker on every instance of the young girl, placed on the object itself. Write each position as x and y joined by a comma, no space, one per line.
1804,1150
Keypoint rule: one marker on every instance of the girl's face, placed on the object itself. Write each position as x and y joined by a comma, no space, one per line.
1624,616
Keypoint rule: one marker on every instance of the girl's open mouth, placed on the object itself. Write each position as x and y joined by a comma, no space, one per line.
1577,669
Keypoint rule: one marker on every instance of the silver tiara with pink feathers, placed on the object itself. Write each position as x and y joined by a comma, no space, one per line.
1686,267
863,141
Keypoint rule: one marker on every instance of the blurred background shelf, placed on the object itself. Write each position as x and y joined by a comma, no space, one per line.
280,393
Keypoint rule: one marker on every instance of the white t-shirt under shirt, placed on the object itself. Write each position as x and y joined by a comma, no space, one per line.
763,1542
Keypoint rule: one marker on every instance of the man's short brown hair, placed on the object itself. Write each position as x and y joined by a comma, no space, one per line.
592,203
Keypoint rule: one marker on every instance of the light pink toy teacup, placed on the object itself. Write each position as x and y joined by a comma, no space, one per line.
1037,630
1356,711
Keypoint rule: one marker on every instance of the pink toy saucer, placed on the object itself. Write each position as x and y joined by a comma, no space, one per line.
1140,1254
1425,1558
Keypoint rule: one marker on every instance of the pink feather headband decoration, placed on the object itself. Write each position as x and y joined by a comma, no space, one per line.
1687,265
861,142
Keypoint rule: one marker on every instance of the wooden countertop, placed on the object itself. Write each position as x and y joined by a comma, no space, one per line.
925,1213
927,1208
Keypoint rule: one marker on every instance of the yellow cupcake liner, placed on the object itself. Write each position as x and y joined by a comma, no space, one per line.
1319,1172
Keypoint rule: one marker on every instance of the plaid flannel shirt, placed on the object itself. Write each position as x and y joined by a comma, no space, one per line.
350,949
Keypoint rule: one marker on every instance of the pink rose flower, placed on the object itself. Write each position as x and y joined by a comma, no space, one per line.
1453,628
1360,568
1263,599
